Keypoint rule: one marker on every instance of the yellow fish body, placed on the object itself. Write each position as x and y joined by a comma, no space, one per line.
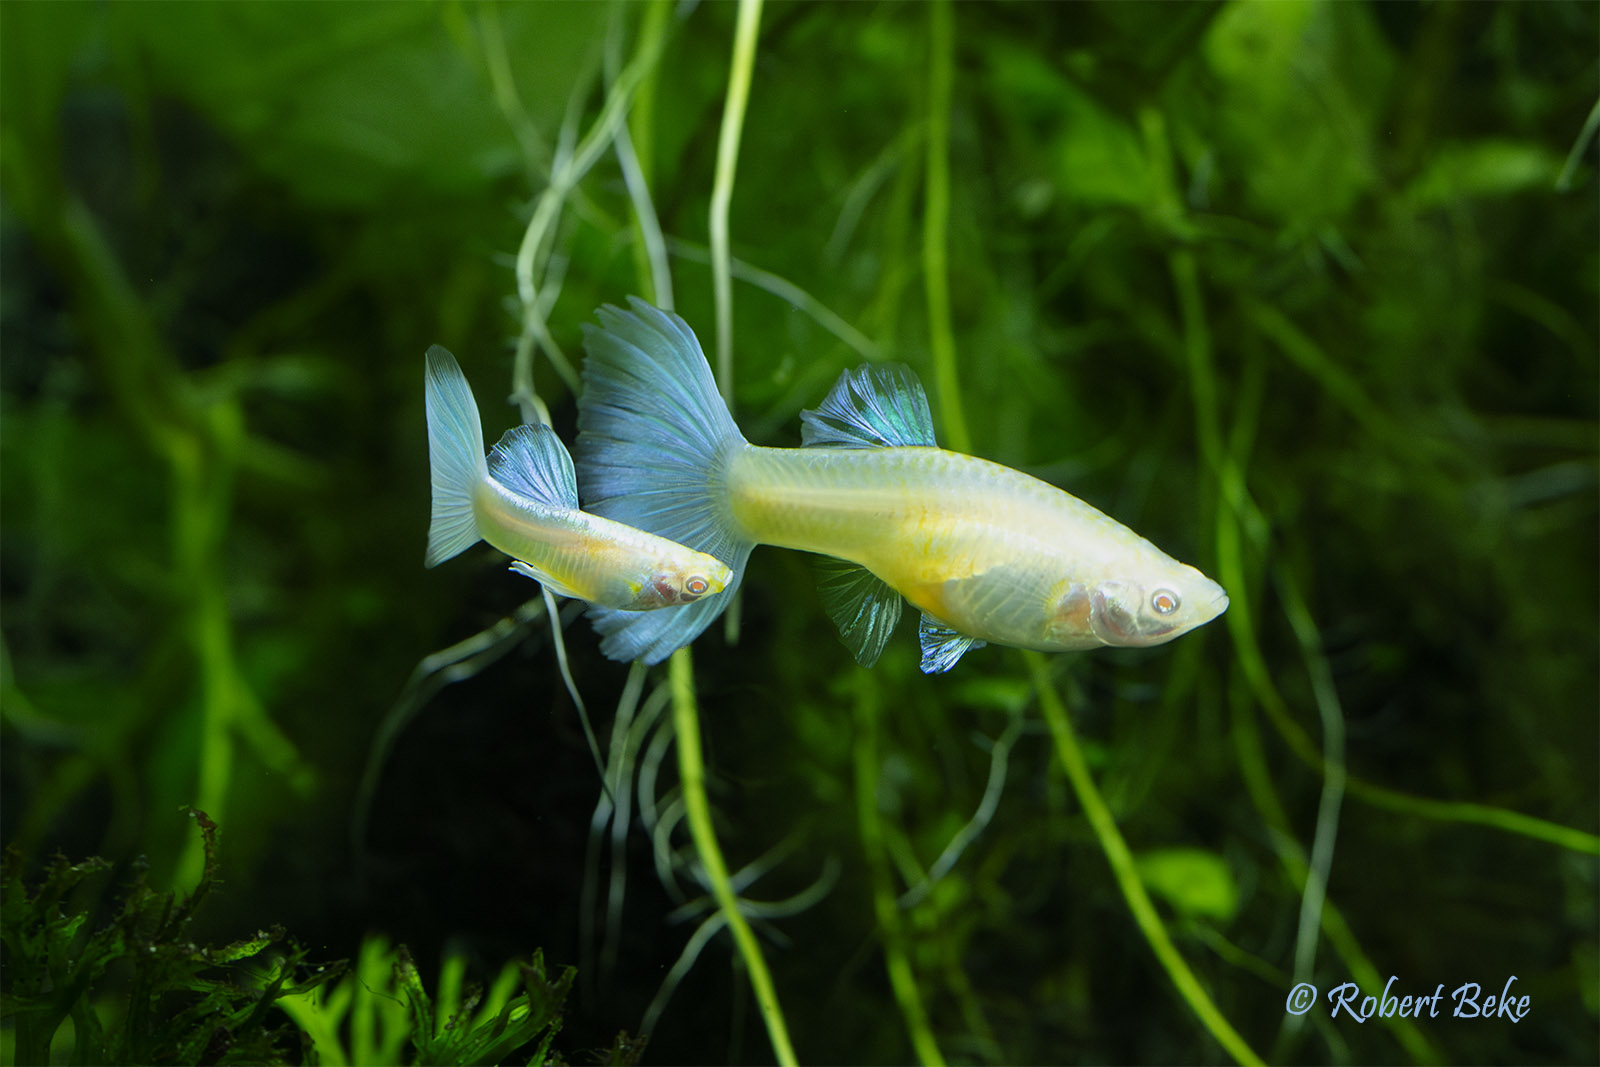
986,553
523,500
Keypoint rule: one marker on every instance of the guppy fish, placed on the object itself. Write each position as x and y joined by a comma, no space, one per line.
986,552
523,500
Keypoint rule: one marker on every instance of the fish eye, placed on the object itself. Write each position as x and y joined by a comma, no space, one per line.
1164,601
696,586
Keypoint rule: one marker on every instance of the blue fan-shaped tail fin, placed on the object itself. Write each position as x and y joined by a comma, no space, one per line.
653,437
455,455
531,461
877,405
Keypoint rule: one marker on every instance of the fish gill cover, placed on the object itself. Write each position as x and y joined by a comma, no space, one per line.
1304,292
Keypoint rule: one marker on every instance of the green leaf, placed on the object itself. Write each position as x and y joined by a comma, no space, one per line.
1195,882
1302,85
1098,157
353,105
1483,169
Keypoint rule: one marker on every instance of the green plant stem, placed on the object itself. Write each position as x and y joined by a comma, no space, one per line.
784,290
1257,780
935,225
901,978
1333,779
201,440
1124,870
1238,518
697,811
1586,135
497,61
533,252
738,95
634,145
1225,467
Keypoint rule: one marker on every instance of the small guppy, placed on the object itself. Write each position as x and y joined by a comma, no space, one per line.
986,552
522,500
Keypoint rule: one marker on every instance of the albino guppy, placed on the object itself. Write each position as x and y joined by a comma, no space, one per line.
523,501
986,552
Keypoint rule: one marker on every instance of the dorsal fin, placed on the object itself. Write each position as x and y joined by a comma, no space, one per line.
941,645
531,461
874,406
861,604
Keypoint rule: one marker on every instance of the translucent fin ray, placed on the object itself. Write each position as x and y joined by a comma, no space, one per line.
941,645
528,570
455,456
872,406
863,606
531,461
1005,595
653,435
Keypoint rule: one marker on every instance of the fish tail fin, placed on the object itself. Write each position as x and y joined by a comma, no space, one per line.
455,453
653,437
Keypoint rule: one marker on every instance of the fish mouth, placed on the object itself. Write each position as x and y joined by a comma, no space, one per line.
1215,606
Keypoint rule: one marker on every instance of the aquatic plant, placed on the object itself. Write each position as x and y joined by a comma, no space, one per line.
138,989
181,1002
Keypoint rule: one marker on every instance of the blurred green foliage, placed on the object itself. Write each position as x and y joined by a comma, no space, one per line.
180,1002
1304,292
183,1003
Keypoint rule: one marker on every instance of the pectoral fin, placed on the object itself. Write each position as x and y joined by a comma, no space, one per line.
861,604
942,646
999,600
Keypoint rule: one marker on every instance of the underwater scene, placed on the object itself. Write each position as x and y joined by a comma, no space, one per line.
1019,533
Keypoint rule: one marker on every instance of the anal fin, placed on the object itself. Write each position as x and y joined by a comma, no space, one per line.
862,605
544,579
941,645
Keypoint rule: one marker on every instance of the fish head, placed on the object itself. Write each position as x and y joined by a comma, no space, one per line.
679,579
1123,612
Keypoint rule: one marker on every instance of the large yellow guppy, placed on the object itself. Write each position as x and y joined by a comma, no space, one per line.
986,552
523,501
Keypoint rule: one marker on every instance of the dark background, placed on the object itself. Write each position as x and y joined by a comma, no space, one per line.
1305,293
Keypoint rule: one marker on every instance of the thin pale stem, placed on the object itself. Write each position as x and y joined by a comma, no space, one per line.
1585,135
744,57
1257,780
1238,520
692,775
784,290
572,688
1333,779
533,252
896,961
935,226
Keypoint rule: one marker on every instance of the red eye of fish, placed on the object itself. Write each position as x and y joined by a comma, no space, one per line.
696,586
1164,601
